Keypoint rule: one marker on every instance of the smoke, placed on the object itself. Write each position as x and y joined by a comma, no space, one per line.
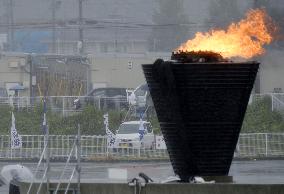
273,58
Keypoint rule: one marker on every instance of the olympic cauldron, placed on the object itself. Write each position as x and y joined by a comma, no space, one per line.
200,99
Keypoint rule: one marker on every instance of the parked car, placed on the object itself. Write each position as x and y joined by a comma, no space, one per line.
128,135
105,98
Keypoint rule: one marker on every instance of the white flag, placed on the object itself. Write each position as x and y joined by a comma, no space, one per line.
160,143
16,139
11,103
141,129
110,135
44,123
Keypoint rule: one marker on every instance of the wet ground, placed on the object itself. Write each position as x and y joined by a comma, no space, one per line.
254,171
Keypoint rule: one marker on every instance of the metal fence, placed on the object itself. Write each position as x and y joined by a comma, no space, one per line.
95,147
276,100
260,145
92,148
65,104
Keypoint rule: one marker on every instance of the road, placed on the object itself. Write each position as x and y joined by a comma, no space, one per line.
255,171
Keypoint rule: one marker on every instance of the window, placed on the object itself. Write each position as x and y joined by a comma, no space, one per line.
128,128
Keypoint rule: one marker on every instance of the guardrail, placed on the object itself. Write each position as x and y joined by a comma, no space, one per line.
95,147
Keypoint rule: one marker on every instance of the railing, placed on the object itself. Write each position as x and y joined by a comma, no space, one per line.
260,145
276,100
95,147
37,168
65,104
92,147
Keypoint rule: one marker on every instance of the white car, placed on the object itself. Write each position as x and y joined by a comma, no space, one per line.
128,135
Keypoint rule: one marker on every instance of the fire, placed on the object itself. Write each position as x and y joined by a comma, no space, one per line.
243,39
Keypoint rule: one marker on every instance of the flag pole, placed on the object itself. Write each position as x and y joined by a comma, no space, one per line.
46,142
78,144
11,150
15,138
47,158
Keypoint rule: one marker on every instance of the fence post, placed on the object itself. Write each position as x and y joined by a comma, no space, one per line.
47,155
266,145
99,103
106,146
78,145
27,104
272,101
11,150
63,105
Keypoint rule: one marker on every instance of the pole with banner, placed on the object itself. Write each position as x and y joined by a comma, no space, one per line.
110,135
15,138
46,142
141,129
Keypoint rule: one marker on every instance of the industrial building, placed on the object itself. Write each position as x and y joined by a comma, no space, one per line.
44,74
73,75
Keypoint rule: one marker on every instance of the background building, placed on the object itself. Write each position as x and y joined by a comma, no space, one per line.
14,70
45,74
73,75
115,34
121,70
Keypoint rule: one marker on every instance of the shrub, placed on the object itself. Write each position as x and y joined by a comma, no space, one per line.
260,118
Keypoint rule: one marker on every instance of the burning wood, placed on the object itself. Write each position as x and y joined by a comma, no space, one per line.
197,56
244,39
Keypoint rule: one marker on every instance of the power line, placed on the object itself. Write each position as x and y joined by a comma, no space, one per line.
103,25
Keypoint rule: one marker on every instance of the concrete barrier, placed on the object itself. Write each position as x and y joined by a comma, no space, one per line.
173,188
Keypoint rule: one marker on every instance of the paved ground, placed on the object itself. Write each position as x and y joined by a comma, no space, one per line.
255,171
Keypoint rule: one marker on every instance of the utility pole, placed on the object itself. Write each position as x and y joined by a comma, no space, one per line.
53,8
10,15
32,77
81,33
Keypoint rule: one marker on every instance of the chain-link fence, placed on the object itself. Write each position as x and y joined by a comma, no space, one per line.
95,147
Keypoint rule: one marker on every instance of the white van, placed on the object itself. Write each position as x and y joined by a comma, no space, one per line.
128,136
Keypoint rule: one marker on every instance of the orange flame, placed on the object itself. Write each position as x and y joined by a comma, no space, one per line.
243,39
